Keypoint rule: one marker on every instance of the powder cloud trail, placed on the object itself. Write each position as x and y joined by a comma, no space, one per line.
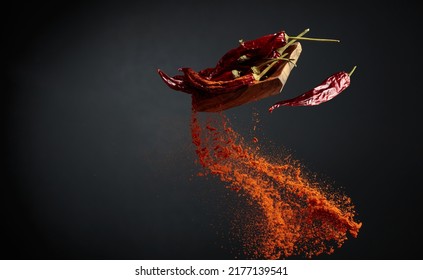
295,215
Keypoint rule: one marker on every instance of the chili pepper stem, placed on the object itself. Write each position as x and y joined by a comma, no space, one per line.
313,39
290,42
282,57
352,71
262,73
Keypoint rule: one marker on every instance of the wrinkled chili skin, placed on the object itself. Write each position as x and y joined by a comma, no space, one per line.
263,47
220,79
327,90
228,75
216,87
177,82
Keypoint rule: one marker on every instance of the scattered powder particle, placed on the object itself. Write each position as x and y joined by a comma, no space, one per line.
293,216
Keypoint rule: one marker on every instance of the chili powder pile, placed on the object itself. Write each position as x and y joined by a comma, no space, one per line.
292,214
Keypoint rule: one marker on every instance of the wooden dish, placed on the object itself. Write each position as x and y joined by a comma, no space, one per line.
271,86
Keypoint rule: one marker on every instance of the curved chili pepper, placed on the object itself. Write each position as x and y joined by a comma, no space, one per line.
326,91
177,82
216,87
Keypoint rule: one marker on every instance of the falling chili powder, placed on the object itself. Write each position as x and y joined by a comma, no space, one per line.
296,216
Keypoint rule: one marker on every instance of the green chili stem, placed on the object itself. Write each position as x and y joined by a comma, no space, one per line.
282,57
290,42
290,60
262,73
352,71
314,39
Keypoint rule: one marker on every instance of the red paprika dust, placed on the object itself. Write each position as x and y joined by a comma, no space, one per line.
295,215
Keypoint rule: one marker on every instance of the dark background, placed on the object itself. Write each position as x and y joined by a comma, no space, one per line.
98,162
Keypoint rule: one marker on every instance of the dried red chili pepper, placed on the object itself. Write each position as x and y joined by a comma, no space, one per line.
263,47
239,68
176,82
260,48
326,91
205,85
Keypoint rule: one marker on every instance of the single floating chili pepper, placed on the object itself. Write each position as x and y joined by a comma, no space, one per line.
326,91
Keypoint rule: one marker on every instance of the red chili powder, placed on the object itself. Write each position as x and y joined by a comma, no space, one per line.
295,215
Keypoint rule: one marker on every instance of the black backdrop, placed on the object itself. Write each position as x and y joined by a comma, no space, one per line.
97,157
